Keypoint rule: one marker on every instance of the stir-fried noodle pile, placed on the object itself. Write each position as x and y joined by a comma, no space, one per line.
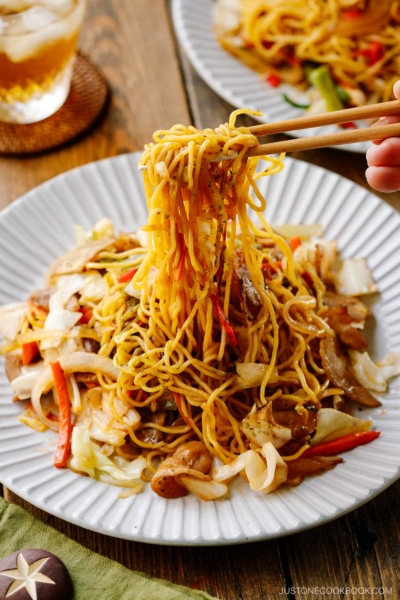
359,41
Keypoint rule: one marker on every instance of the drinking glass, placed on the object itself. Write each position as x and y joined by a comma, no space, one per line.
38,40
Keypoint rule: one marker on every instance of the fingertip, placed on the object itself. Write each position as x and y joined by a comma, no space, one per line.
383,179
387,154
369,175
396,89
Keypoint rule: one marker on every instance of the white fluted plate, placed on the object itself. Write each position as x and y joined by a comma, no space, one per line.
39,227
230,78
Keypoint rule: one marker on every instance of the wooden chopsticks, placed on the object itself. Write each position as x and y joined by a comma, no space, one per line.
372,111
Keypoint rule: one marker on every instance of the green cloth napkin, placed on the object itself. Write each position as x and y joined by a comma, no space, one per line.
94,577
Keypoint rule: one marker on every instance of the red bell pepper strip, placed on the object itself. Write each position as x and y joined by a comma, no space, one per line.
181,263
307,278
223,319
246,43
64,406
292,60
348,125
343,444
295,242
127,276
273,80
268,270
348,15
29,351
267,45
373,53
87,314
134,394
376,52
179,406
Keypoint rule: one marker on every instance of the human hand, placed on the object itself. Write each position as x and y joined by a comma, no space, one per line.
383,157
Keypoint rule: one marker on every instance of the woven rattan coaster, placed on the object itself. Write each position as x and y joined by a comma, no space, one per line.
84,106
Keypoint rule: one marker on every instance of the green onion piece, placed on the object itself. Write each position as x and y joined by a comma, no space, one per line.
343,95
322,80
295,104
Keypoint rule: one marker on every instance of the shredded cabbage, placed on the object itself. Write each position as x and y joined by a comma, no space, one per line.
263,476
87,457
355,278
261,432
333,424
11,319
252,375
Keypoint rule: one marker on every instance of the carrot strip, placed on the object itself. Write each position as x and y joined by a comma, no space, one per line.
87,314
223,319
295,242
181,263
127,276
179,406
64,405
29,351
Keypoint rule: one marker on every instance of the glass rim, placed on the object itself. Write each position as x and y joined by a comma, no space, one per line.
6,20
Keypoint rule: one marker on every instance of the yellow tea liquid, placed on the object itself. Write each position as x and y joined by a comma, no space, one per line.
19,81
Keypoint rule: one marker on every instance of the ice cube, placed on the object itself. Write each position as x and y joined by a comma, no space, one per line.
21,47
11,7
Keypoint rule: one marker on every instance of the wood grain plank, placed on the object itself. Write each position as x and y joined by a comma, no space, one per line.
358,551
134,48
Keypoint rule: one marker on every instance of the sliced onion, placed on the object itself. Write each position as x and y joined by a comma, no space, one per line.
226,15
263,476
274,475
25,382
41,334
76,404
304,231
205,490
162,170
367,373
390,365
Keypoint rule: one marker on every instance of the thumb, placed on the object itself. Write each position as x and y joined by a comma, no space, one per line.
396,89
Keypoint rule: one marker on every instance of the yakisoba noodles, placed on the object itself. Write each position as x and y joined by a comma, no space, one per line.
358,42
203,345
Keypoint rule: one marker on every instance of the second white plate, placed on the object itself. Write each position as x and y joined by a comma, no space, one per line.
232,80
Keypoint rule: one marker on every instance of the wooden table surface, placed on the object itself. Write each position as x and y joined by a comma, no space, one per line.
153,87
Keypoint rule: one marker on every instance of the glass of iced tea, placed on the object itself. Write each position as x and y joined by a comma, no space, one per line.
38,41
